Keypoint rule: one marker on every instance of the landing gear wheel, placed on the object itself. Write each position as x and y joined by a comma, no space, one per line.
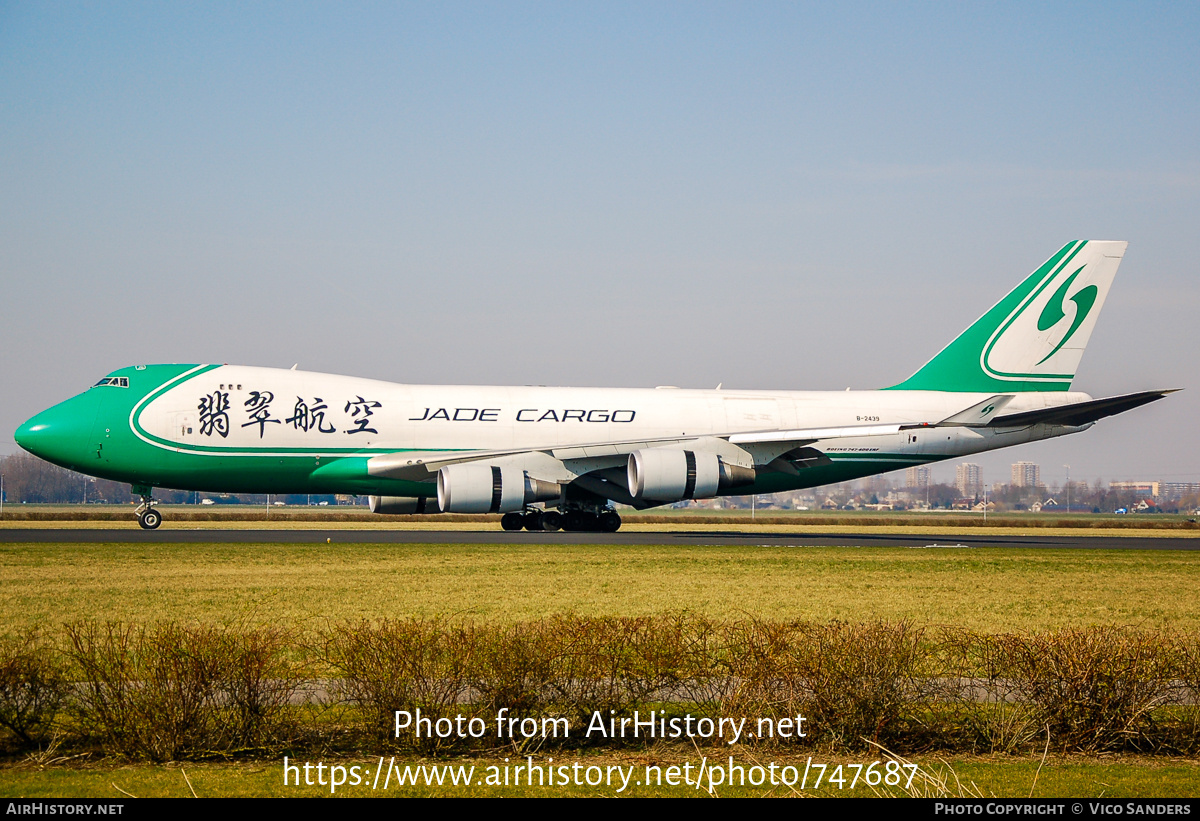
574,520
552,520
533,520
512,521
610,522
147,516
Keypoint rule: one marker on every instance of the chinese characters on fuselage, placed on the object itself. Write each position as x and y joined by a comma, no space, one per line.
310,415
361,414
214,414
258,408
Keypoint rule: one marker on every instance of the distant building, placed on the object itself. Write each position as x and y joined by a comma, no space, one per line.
1140,488
917,476
1177,490
1026,474
877,483
968,479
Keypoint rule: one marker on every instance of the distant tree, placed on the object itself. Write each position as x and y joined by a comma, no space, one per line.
942,495
33,480
109,492
36,481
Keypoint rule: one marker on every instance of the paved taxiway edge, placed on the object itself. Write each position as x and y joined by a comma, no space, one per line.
500,538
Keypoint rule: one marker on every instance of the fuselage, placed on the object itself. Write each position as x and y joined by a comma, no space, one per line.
240,429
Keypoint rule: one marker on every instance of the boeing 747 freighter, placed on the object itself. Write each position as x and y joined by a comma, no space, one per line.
550,458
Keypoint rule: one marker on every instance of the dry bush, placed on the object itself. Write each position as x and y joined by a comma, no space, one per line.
571,667
567,666
988,712
865,681
609,665
146,692
1095,688
1186,673
170,690
514,666
256,684
32,687
702,671
763,681
402,664
852,681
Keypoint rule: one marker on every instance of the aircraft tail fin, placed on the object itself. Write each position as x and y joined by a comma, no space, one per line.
1033,338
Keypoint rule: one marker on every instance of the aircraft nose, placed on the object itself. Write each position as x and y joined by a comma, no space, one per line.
60,434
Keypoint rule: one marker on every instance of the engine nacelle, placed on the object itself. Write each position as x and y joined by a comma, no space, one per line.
404,505
476,488
668,475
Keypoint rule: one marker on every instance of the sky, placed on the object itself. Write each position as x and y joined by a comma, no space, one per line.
780,196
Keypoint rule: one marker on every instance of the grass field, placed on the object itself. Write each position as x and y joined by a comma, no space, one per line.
984,589
956,777
350,517
304,587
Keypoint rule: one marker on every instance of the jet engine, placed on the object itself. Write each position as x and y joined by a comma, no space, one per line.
667,475
404,505
476,488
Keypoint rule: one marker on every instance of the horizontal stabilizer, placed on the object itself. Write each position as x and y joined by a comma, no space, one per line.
979,414
1080,413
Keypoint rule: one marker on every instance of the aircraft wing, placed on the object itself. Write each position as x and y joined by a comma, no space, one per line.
565,464
419,466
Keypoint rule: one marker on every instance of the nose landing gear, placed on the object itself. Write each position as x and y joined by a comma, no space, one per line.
148,517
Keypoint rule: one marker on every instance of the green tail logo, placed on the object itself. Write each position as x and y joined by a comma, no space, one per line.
1053,312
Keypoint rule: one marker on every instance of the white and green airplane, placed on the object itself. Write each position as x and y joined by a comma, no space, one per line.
550,458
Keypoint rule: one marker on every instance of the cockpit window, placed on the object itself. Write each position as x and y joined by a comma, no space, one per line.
113,382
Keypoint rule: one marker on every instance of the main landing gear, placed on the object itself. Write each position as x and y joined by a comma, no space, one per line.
602,520
148,517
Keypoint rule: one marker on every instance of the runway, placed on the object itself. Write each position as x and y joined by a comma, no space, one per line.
690,538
